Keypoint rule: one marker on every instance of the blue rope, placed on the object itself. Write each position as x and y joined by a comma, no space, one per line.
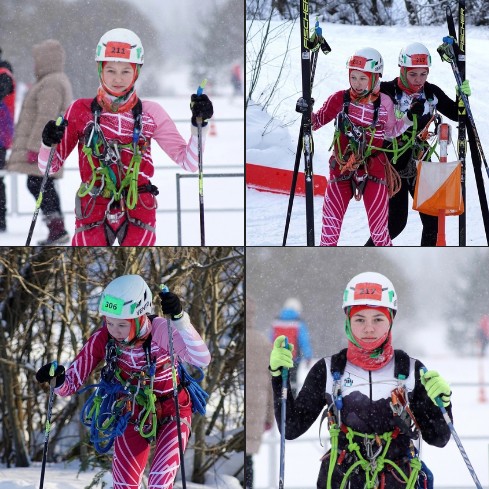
198,395
107,424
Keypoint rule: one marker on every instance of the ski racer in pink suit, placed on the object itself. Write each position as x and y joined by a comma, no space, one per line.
378,403
135,336
358,167
113,132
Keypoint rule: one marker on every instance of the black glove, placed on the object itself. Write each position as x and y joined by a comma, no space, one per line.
170,303
201,106
417,108
53,134
42,375
302,107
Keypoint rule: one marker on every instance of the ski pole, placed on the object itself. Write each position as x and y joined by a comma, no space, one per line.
455,436
200,90
165,289
59,121
47,429
447,53
283,411
317,41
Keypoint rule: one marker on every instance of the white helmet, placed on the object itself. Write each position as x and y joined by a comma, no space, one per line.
120,45
293,304
366,59
370,289
126,297
415,55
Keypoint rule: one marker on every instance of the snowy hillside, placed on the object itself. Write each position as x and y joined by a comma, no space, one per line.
271,137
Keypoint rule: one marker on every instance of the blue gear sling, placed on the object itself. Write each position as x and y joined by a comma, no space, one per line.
104,412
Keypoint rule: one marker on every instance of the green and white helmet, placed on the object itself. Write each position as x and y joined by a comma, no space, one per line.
126,297
368,60
415,55
120,45
370,289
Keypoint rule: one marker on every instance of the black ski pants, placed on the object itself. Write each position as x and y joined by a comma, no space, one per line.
50,201
398,215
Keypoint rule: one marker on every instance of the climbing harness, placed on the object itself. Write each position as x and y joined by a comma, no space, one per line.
112,406
421,144
360,147
117,402
110,179
360,138
373,459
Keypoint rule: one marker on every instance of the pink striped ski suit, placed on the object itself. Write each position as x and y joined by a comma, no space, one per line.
339,193
131,451
91,209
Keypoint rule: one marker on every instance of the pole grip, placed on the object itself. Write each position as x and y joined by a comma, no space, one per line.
164,288
200,89
438,400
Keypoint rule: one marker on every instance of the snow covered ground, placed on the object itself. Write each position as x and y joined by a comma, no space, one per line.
223,196
272,142
470,421
65,476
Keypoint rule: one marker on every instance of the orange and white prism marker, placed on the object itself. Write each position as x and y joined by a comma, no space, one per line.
438,188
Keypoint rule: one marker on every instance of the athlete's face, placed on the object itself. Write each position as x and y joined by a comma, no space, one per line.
359,81
117,76
118,328
369,325
417,78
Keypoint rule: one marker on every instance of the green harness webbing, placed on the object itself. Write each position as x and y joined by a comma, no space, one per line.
146,398
363,150
106,176
376,465
103,173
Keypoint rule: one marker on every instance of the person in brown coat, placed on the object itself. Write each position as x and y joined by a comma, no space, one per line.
48,97
259,401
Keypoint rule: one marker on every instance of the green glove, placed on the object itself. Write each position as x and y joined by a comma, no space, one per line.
465,88
436,386
280,357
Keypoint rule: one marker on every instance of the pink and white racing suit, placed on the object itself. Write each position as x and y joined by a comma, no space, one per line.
372,174
131,450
